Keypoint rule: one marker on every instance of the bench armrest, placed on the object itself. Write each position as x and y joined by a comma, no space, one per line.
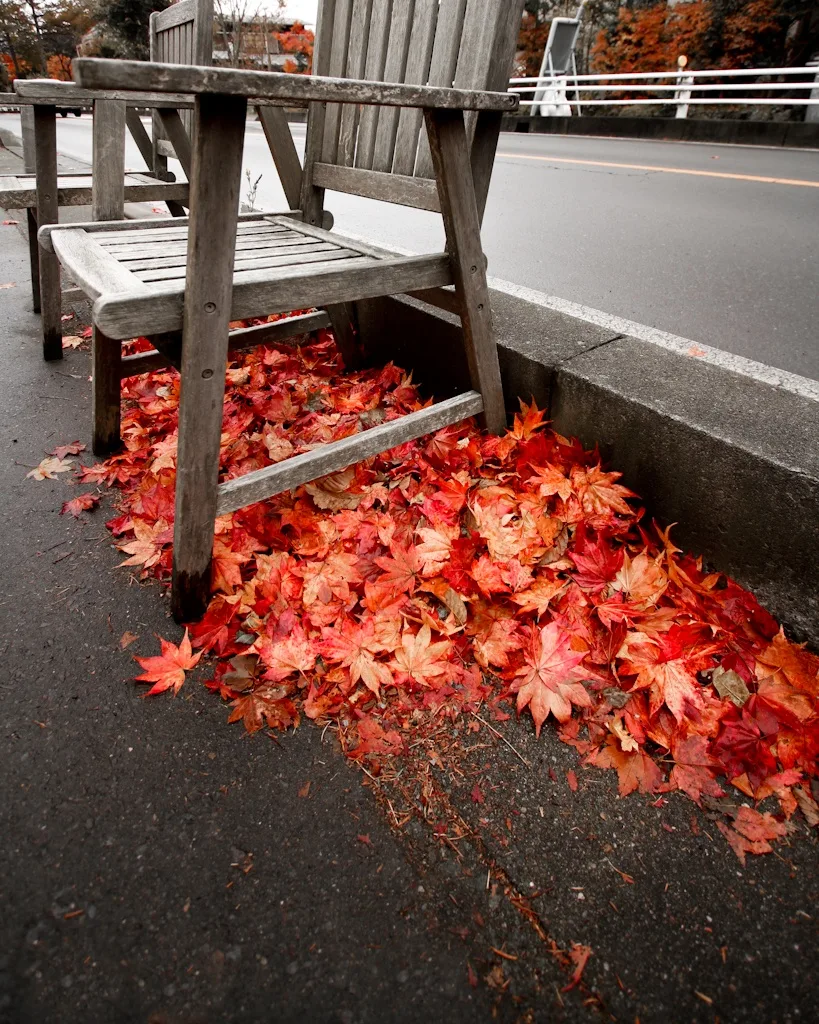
91,73
51,93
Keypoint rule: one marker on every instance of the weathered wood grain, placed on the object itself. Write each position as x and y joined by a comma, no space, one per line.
119,74
426,27
415,153
280,142
45,148
336,69
106,355
448,145
337,455
108,147
394,71
139,135
389,188
215,188
356,62
177,14
373,71
127,314
241,267
146,224
239,340
178,136
91,267
50,92
312,198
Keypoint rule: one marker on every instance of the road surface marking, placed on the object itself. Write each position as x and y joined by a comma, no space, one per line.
664,170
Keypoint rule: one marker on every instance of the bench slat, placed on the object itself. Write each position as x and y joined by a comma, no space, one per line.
337,455
148,310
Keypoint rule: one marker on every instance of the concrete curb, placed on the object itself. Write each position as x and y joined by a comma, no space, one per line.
726,448
792,134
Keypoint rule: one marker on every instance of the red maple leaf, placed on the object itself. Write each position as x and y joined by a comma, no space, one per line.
667,666
82,503
547,683
74,448
635,769
401,569
296,653
167,670
267,705
597,563
694,769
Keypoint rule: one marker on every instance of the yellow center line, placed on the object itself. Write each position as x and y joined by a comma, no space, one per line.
663,170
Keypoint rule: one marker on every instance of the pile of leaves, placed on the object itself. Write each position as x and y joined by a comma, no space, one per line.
456,574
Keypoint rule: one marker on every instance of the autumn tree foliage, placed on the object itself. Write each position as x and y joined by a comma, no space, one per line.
298,42
711,33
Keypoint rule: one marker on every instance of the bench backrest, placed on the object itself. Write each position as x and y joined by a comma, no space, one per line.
463,43
182,34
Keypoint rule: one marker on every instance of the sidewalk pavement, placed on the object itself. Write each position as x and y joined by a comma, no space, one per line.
160,866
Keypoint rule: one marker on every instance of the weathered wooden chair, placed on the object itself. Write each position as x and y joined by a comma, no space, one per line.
182,34
184,283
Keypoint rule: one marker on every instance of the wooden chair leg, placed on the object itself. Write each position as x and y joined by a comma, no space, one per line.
218,139
343,321
34,259
450,157
45,135
106,359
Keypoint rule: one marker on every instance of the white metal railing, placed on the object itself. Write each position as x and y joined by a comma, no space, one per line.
681,88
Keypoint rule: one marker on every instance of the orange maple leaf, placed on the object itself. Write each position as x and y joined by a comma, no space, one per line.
329,578
266,705
641,580
635,769
548,684
598,492
226,567
82,503
146,547
402,568
694,770
528,421
550,480
666,667
167,670
355,647
420,660
435,547
800,667
494,646
296,653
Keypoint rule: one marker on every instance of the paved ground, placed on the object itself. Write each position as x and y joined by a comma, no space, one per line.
723,260
159,866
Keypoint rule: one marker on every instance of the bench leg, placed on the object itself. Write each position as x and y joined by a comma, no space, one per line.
34,259
106,358
218,138
450,157
45,142
343,320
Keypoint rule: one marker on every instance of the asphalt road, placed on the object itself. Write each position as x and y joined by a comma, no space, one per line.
686,238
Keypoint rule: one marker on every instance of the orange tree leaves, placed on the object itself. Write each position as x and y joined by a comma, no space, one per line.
456,572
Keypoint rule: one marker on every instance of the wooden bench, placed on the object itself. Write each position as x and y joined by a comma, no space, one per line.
183,34
183,283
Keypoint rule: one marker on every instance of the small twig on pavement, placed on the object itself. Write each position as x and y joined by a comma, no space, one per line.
503,739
